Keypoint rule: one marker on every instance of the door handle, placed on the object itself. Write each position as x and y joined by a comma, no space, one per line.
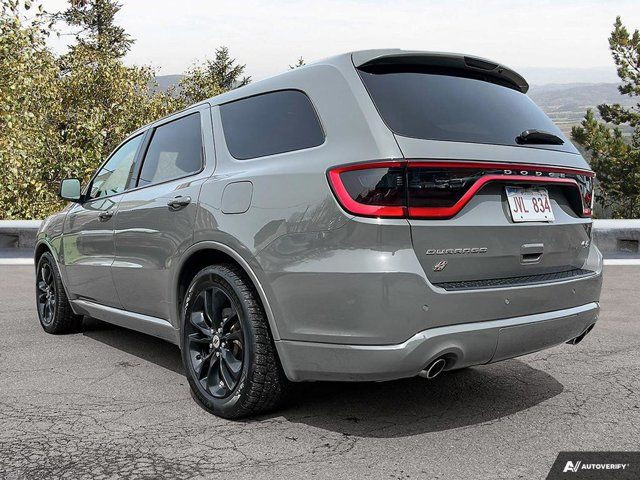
178,202
106,215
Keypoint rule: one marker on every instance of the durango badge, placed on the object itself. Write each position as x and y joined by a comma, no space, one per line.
456,251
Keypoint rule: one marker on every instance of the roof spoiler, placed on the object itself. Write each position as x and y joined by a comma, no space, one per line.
451,60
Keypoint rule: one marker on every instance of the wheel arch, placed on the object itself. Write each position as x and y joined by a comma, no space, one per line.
40,249
207,253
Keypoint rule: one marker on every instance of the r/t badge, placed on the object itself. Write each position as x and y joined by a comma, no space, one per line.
438,267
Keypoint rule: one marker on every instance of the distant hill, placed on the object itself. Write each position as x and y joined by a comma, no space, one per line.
166,81
566,104
545,76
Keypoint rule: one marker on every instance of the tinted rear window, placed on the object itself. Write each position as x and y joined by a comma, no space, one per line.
271,123
436,105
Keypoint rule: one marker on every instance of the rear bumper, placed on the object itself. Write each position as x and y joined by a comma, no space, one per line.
363,284
464,345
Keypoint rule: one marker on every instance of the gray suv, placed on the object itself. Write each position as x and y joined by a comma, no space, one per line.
376,215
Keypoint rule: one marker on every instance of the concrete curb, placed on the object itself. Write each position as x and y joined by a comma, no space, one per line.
613,237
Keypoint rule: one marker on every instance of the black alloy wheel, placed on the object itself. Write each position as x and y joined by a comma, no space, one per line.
227,348
216,342
46,294
54,310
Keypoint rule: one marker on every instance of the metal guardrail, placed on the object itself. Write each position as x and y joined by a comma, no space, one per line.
613,237
617,237
18,233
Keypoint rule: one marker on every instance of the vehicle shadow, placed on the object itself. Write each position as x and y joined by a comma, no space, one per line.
145,347
399,408
415,405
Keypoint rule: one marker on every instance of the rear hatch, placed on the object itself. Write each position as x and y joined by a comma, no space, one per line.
495,194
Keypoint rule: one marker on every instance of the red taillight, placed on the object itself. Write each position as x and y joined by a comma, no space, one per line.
372,189
585,185
401,189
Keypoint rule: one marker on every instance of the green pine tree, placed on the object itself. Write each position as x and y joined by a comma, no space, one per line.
97,29
615,157
211,78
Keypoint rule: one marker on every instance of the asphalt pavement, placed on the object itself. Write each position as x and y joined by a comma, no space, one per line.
111,403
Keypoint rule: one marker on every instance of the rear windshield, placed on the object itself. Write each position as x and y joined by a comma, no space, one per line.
455,105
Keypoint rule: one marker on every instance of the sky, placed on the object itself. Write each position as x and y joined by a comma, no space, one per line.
548,41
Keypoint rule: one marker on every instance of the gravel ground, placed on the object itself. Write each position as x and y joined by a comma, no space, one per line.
112,403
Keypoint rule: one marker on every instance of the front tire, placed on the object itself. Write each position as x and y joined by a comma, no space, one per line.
227,349
54,309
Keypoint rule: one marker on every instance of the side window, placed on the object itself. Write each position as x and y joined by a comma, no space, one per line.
175,150
114,175
270,123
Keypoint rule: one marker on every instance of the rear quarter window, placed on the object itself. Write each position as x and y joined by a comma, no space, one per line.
270,123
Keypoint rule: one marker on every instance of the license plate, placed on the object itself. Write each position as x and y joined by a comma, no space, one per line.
529,204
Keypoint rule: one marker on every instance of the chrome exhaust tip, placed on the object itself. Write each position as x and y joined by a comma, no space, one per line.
434,369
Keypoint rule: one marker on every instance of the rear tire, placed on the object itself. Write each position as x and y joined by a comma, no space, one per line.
227,349
54,310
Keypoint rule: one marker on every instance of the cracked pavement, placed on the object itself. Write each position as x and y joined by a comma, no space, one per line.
111,403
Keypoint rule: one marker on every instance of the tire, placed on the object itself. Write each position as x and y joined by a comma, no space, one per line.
54,310
227,349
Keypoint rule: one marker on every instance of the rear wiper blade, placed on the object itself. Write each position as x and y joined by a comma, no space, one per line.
538,137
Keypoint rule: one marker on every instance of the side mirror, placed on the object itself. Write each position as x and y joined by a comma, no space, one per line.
70,190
